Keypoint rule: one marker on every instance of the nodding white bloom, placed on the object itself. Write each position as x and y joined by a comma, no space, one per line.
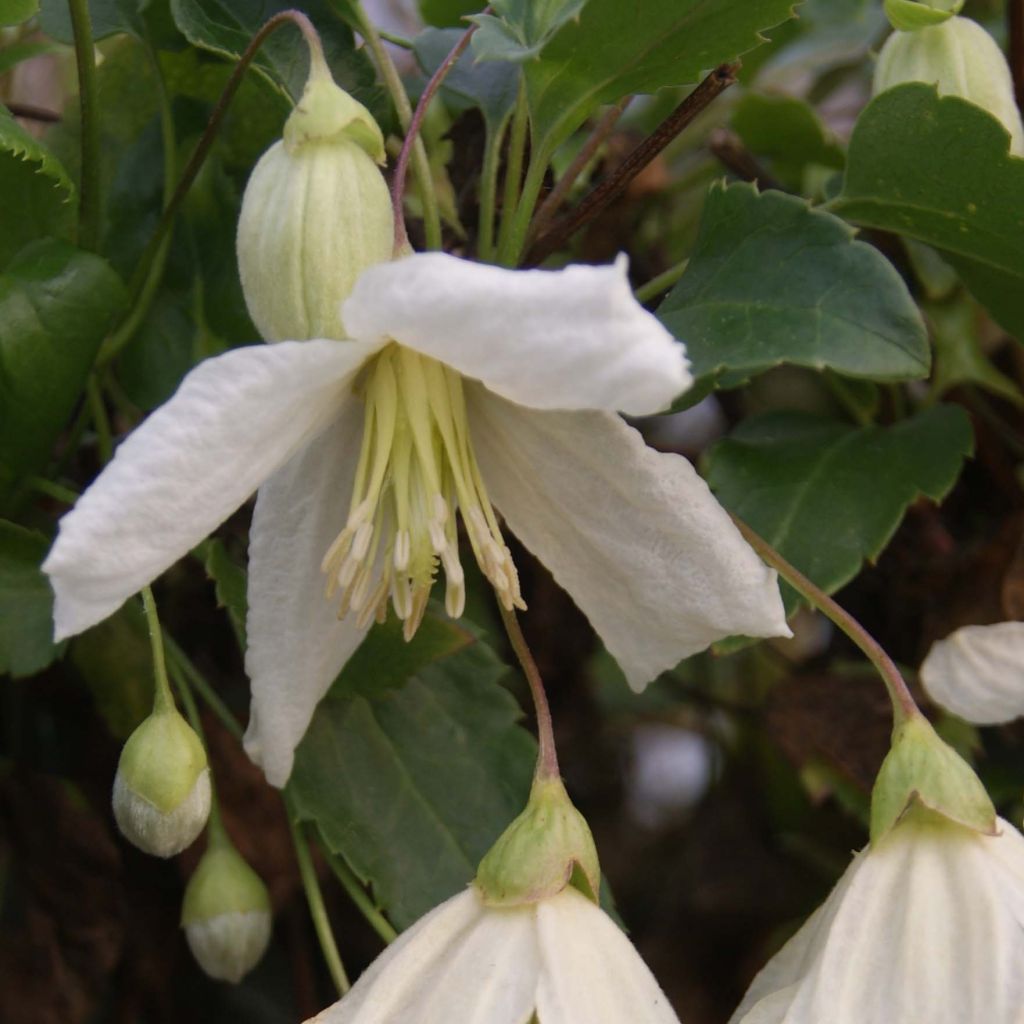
927,925
977,673
464,388
562,959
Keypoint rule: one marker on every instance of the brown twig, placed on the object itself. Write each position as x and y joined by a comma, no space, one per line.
1015,26
727,147
595,201
32,113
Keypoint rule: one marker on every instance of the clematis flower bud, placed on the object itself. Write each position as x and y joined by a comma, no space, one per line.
162,787
226,913
316,213
962,59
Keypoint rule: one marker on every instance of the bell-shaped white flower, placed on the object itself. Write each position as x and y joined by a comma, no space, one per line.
562,959
977,672
927,925
463,385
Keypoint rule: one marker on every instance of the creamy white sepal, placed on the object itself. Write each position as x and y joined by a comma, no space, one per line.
927,925
229,945
297,645
547,339
156,832
977,673
633,535
178,476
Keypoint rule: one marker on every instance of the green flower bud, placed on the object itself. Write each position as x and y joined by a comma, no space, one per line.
963,60
162,786
921,770
316,213
226,914
548,847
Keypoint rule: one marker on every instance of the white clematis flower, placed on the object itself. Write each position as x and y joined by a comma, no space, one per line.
927,925
977,673
463,385
562,959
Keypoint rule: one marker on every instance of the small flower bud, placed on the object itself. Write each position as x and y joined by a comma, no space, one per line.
548,847
963,60
162,786
316,213
226,914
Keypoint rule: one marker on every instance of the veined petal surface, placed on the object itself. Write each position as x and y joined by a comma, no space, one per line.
297,645
548,339
977,673
634,535
173,480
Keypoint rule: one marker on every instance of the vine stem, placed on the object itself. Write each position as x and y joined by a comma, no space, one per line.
903,705
512,192
357,894
89,210
163,699
420,161
595,201
653,288
412,134
547,755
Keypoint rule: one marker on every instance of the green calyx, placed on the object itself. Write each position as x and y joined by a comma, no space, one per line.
162,760
326,113
908,15
548,847
921,770
223,883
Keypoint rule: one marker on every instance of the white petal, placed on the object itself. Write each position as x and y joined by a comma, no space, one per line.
978,673
550,339
232,422
633,535
460,964
590,970
297,645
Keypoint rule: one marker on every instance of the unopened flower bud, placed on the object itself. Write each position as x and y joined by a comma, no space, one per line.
316,213
226,914
963,60
548,847
162,786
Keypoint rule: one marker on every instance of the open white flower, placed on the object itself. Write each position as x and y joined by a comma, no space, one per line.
927,925
977,672
464,384
562,959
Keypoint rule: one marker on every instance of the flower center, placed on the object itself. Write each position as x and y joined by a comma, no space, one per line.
416,467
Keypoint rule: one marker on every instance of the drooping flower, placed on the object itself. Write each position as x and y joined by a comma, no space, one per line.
977,672
465,388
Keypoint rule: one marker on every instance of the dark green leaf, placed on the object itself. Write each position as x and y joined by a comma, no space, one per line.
26,602
773,281
230,582
939,170
56,305
447,13
827,495
14,12
414,764
109,17
520,29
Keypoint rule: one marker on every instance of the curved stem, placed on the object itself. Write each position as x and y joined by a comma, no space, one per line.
515,242
488,192
89,210
100,420
512,192
203,686
653,288
163,699
903,704
412,135
547,755
357,894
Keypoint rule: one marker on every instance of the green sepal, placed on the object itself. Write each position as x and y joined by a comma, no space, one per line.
548,847
922,770
326,113
908,15
162,760
223,883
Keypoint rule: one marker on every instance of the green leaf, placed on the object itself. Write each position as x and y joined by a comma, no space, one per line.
773,281
109,17
447,13
610,50
14,12
522,28
938,169
827,495
56,305
35,191
230,583
26,602
414,764
227,27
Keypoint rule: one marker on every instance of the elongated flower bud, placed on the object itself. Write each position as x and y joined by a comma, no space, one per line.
226,914
162,787
963,60
316,213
